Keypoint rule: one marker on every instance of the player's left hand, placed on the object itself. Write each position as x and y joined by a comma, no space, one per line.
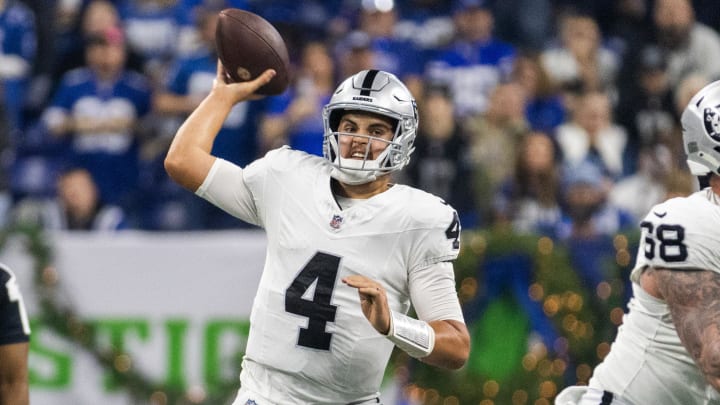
373,301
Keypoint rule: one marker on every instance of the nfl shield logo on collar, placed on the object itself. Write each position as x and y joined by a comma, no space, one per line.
250,402
336,221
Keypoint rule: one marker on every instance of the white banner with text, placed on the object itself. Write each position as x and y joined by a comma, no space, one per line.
177,303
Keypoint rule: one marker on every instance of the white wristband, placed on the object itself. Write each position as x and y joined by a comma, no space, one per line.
413,336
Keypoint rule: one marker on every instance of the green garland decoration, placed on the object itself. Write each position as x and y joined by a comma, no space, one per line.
63,320
502,368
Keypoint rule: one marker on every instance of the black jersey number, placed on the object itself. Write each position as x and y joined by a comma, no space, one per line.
322,267
669,239
453,231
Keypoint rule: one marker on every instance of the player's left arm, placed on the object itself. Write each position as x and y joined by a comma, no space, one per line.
440,337
434,297
452,344
692,296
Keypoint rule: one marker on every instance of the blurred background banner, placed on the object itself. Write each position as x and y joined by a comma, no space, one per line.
178,305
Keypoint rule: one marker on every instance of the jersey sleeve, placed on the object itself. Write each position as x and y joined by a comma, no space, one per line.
226,188
440,238
680,234
246,193
433,293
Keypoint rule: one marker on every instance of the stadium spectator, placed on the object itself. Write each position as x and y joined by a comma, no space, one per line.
77,206
441,162
354,53
529,29
474,62
494,137
90,20
691,47
592,135
152,28
95,112
529,200
391,53
646,107
646,187
579,59
18,46
544,108
586,212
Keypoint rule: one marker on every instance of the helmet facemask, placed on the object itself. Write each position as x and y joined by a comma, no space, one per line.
387,97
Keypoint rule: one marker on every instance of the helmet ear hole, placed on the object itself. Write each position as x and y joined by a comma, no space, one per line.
334,119
704,181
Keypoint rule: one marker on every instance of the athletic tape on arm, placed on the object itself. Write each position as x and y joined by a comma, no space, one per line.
413,336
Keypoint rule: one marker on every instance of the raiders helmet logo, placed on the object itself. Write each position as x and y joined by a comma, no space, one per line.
712,122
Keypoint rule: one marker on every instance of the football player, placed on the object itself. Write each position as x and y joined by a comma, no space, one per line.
348,251
667,350
14,346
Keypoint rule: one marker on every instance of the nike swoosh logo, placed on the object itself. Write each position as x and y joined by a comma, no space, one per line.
659,215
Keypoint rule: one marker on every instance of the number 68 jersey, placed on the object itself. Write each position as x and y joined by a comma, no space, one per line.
309,341
647,363
681,233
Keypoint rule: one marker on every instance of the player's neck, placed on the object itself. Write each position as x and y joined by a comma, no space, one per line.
361,191
715,184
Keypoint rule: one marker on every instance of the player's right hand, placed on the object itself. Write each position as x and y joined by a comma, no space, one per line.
372,300
233,92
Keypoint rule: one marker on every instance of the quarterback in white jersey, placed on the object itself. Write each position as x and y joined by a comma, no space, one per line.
667,350
348,252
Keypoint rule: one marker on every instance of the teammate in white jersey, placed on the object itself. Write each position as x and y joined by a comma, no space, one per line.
14,346
667,350
348,251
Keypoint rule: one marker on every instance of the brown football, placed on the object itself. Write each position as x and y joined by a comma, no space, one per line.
247,45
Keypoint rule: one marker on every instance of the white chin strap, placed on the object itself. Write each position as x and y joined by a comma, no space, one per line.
352,171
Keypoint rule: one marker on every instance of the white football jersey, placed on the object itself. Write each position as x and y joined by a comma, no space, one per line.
681,233
309,338
647,363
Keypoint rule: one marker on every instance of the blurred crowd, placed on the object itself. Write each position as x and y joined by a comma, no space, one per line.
556,117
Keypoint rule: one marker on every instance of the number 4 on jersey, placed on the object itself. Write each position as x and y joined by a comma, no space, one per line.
322,267
453,231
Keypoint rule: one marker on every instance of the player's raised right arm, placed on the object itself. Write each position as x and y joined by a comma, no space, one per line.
189,160
692,296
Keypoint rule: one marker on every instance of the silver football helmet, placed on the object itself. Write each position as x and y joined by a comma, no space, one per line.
701,131
376,92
